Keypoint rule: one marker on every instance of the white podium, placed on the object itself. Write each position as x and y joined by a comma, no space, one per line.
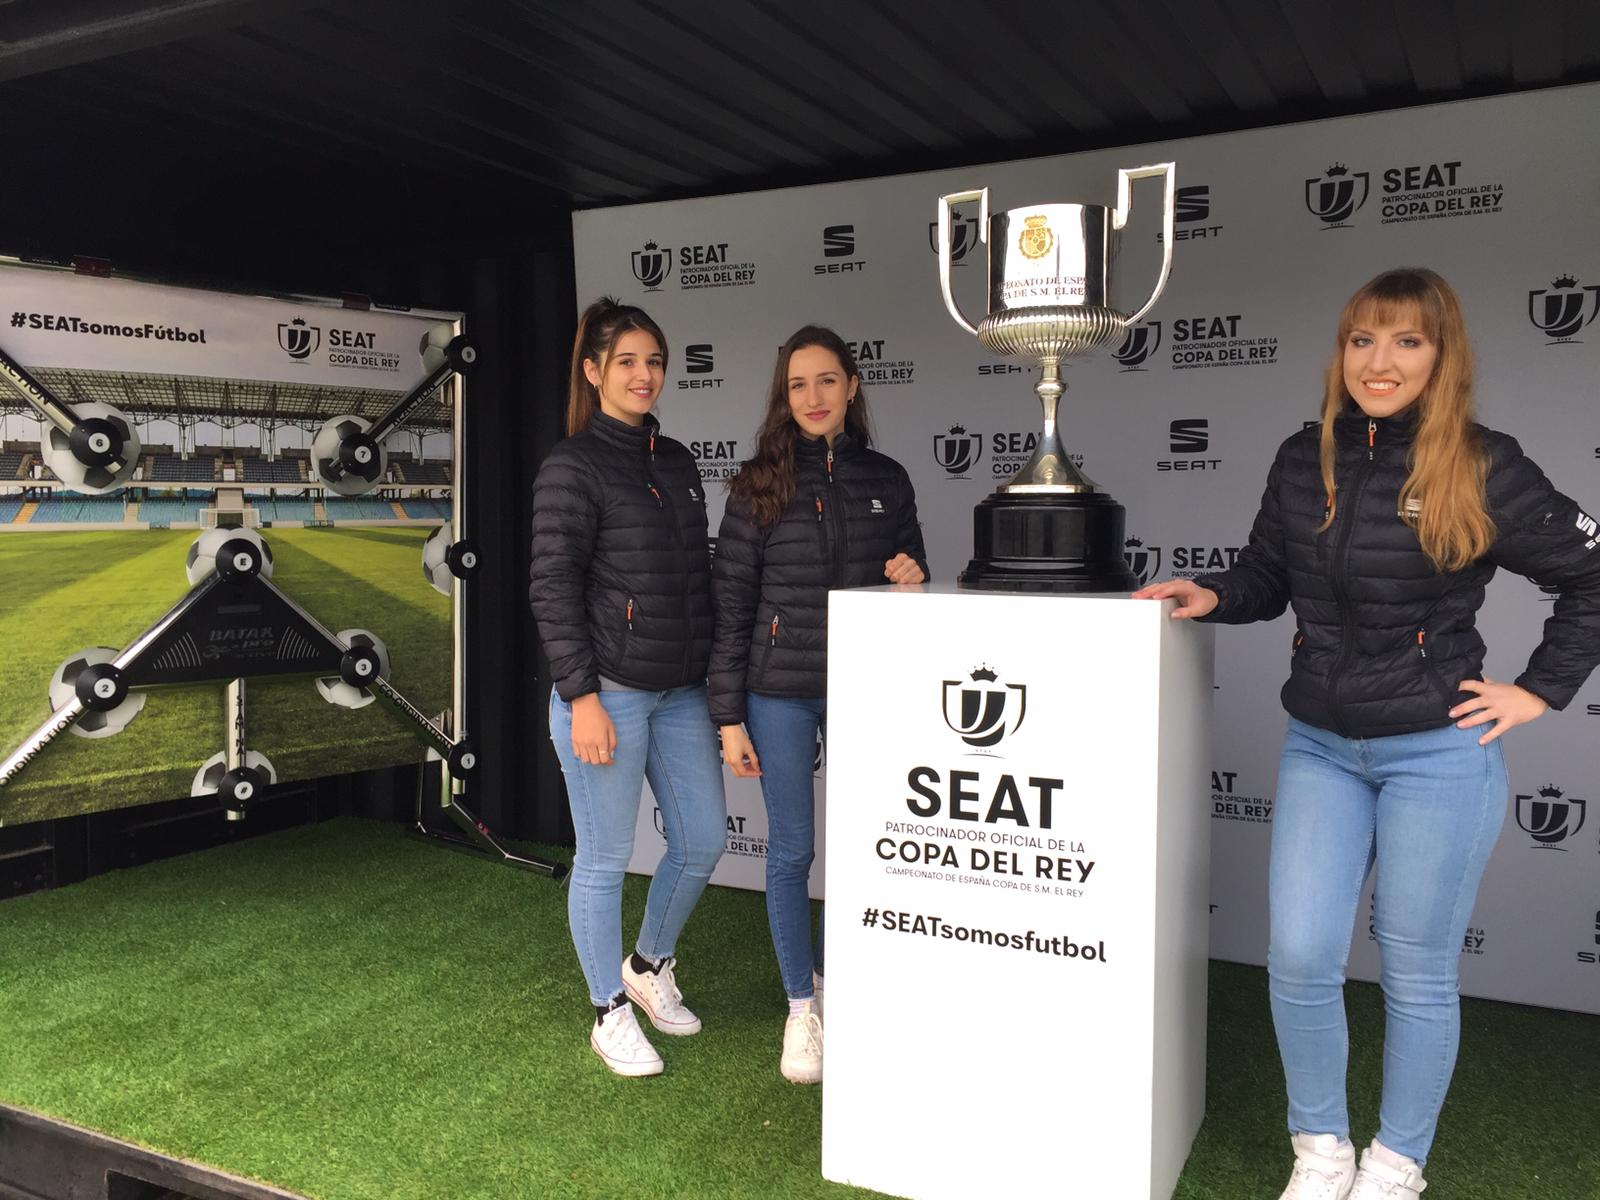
1017,886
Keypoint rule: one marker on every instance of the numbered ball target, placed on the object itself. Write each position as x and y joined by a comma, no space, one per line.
434,568
82,459
440,345
345,458
366,657
238,787
88,676
234,553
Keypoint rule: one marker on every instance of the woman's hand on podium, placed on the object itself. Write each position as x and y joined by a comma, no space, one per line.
1193,600
738,753
902,568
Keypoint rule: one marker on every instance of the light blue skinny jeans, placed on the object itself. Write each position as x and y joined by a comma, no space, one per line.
667,738
1426,807
784,732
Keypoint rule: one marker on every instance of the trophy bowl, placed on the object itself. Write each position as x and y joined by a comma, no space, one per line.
1051,266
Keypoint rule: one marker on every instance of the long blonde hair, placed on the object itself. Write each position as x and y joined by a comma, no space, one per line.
1443,496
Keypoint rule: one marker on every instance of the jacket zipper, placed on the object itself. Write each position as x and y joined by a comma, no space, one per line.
1341,557
676,534
772,640
840,550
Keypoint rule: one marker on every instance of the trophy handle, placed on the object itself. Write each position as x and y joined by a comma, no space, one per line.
947,206
1127,175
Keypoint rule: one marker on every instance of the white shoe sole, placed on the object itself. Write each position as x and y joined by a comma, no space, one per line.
806,1076
681,1029
633,1070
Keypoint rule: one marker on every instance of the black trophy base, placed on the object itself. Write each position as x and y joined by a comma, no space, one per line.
1032,542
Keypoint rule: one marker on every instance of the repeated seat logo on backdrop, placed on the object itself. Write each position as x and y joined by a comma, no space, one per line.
1551,817
1138,346
1220,340
1189,436
1590,955
963,237
1563,309
1185,562
1411,192
699,365
718,458
957,451
839,252
879,367
699,265
1231,802
1191,219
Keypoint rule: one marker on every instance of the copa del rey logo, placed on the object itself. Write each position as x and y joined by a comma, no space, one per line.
982,709
1551,817
297,339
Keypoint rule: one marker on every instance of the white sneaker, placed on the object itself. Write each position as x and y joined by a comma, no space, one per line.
1324,1168
657,993
802,1046
1379,1180
621,1044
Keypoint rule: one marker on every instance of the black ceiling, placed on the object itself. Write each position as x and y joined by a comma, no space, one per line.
311,123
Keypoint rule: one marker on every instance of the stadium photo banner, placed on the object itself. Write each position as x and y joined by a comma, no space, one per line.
1179,419
213,511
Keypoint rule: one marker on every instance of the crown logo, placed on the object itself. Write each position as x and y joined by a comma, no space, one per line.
1035,222
958,429
1550,792
1564,281
650,245
298,321
1338,168
985,674
1133,541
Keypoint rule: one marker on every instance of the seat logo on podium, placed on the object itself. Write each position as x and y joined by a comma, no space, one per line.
982,709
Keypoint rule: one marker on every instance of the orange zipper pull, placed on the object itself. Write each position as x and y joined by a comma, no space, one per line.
630,612
819,509
1372,437
774,635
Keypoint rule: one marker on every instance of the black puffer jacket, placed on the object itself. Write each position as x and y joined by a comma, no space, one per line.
851,513
1382,639
620,582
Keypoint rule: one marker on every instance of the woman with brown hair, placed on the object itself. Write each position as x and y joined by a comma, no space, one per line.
621,590
1380,527
815,508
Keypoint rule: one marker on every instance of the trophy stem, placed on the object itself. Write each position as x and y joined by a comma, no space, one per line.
1050,470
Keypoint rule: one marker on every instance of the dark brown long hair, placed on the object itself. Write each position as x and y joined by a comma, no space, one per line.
766,481
1448,463
602,323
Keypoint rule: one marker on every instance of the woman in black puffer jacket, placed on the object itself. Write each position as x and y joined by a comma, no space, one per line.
1380,529
816,508
621,591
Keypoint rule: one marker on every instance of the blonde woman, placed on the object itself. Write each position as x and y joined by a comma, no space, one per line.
1380,528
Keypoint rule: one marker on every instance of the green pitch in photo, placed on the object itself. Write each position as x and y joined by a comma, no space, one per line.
64,592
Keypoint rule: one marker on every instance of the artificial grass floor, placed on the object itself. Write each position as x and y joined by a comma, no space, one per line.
351,1014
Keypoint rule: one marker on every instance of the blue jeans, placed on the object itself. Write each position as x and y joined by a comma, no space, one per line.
784,732
1427,808
667,738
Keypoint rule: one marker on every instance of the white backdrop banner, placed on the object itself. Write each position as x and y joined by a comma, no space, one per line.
59,319
1276,227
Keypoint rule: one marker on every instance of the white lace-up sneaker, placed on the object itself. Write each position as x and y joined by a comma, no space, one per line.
1380,1180
1324,1168
621,1044
802,1046
657,993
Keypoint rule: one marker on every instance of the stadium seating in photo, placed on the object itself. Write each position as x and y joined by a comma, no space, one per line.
423,472
426,508
278,470
166,510
171,468
70,507
357,508
11,464
281,509
10,506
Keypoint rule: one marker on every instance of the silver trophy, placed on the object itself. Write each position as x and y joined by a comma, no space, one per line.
1051,527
